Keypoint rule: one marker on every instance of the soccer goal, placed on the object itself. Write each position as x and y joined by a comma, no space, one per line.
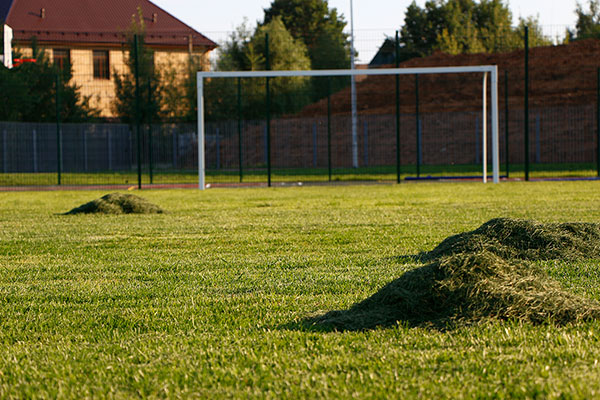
487,72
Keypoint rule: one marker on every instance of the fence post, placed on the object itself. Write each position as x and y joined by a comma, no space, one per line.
239,128
58,133
175,141
506,122
85,150
109,148
526,103
34,149
420,142
398,154
418,126
478,135
4,152
314,144
149,107
538,145
598,122
366,143
268,93
329,127
265,144
218,147
136,54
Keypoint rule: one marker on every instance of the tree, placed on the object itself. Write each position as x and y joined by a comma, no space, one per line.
245,52
285,53
15,93
179,99
233,53
321,30
494,22
464,26
150,91
536,34
461,33
30,92
588,22
421,30
313,22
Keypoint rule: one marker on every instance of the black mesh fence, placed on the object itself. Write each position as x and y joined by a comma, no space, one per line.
96,154
436,132
119,111
89,125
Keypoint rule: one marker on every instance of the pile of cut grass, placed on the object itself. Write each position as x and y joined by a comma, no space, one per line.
483,274
518,239
117,203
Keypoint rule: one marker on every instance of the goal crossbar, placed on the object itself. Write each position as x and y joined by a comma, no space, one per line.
491,70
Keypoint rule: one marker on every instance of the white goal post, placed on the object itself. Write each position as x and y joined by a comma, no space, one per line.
486,70
7,37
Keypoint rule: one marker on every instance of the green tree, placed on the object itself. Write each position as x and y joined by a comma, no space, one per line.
179,99
461,33
233,54
14,90
588,22
245,53
494,23
536,34
150,88
318,26
464,26
421,30
30,93
285,53
321,29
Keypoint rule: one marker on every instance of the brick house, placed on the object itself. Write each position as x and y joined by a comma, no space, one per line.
91,36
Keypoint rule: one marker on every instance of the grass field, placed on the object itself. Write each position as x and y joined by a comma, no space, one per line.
207,300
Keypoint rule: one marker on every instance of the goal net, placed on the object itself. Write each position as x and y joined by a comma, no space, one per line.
294,126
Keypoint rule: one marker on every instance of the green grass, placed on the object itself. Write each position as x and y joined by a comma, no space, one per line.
207,299
259,175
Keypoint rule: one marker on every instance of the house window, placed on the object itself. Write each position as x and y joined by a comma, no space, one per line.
62,58
101,65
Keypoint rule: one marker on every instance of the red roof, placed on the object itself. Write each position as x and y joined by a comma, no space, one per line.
96,21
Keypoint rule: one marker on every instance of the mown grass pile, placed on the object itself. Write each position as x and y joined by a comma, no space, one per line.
517,239
483,274
117,203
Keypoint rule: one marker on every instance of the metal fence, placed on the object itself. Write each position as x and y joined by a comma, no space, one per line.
96,153
439,134
563,143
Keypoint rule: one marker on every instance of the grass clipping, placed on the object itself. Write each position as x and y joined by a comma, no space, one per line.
486,273
117,203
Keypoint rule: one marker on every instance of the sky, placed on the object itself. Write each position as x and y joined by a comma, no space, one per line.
373,19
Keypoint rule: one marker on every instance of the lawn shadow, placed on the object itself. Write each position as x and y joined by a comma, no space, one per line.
406,301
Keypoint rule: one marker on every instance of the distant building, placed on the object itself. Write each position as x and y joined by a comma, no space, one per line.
386,55
90,35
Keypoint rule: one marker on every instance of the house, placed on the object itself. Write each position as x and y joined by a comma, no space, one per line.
386,55
91,36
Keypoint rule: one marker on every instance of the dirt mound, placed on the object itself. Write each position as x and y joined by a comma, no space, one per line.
481,275
117,203
559,75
